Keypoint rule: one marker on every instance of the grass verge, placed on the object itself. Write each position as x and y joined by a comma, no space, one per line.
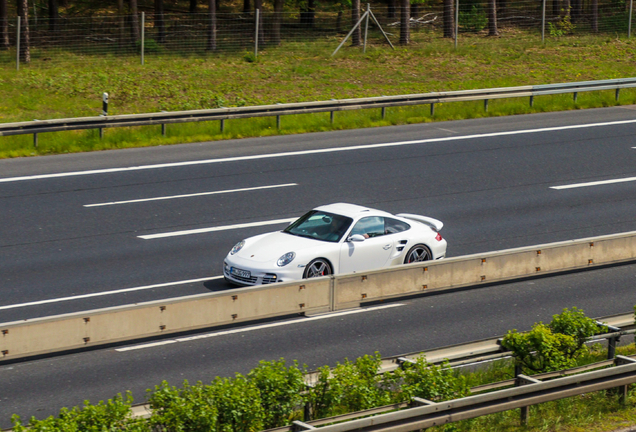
71,86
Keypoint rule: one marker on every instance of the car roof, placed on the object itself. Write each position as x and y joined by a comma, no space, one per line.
352,210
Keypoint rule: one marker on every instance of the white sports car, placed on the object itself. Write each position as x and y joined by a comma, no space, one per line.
331,239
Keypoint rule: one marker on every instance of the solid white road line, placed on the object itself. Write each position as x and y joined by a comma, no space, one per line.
191,195
105,293
595,183
219,228
258,327
309,152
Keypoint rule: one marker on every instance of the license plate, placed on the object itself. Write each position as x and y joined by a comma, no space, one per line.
241,273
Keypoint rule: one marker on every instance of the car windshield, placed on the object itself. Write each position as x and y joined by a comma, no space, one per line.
320,226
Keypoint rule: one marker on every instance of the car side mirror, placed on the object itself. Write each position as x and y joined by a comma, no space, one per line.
356,238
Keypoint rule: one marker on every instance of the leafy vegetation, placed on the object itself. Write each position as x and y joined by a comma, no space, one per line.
555,346
274,394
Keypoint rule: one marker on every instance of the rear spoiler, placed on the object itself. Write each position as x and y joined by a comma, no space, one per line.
435,224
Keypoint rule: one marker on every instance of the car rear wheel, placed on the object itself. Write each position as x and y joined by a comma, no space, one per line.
316,268
417,253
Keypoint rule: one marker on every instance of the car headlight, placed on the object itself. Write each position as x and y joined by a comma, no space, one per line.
286,259
237,247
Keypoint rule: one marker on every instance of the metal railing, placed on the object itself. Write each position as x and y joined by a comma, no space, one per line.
383,102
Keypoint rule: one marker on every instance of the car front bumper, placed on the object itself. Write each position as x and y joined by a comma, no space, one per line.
259,273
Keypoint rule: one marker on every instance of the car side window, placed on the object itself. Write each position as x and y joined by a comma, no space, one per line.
372,226
392,226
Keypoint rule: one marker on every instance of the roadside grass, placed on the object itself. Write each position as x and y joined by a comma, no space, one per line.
594,412
70,85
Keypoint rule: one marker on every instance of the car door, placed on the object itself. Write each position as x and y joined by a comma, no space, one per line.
373,252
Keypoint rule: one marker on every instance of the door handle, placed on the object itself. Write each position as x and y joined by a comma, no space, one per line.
386,247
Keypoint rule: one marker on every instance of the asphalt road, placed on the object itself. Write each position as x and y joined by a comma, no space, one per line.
489,180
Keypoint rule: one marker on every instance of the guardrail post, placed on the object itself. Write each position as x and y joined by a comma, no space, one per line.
222,125
618,92
432,109
331,116
531,101
575,96
383,113
520,380
486,105
35,140
163,129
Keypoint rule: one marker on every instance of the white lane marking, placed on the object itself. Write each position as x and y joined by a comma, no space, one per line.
99,294
191,195
309,152
218,228
595,183
258,327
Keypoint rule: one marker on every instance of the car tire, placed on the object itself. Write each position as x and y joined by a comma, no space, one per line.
418,253
317,268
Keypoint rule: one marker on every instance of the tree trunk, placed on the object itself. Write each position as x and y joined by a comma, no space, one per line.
405,22
449,19
25,41
122,22
390,9
277,21
415,10
555,8
160,24
4,25
212,26
594,16
54,16
492,18
136,33
193,6
355,17
577,10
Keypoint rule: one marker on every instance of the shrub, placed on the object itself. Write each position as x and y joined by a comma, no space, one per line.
281,389
554,347
190,409
112,415
433,382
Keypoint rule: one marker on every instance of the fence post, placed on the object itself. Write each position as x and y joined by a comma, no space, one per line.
17,43
456,21
143,35
543,22
629,22
256,35
366,29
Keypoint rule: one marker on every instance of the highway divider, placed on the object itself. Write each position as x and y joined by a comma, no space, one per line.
162,317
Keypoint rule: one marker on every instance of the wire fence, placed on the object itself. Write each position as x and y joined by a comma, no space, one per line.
152,35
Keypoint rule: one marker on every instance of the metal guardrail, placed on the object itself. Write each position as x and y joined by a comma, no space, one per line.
383,102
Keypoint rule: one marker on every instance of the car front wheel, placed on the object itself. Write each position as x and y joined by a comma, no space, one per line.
417,253
316,268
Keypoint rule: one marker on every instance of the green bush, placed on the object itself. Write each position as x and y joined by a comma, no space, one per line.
189,409
238,403
350,386
113,415
433,382
554,347
281,390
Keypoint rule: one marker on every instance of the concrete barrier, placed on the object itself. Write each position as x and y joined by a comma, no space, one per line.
474,270
129,322
102,326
